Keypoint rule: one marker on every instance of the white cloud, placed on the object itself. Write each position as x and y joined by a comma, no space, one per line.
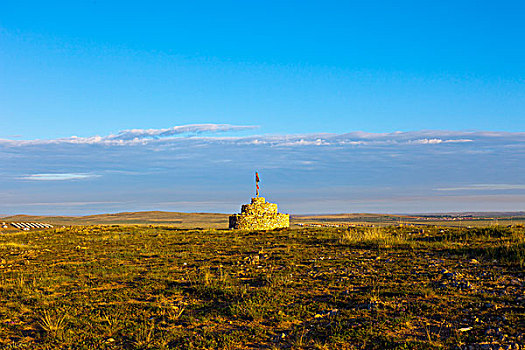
354,143
459,141
135,136
302,142
426,141
172,136
159,166
437,141
484,187
69,204
57,177
138,134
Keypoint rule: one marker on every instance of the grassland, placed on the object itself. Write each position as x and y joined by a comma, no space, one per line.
137,287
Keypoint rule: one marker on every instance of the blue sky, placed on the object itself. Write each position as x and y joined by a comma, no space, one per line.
300,77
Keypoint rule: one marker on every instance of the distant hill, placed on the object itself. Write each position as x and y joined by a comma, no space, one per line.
191,220
350,218
447,219
183,220
496,214
220,221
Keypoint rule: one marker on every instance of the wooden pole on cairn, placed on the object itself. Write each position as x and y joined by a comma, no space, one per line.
256,184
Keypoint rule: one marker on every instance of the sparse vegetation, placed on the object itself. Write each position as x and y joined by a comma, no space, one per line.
112,287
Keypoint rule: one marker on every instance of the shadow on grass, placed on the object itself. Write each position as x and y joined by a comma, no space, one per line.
513,254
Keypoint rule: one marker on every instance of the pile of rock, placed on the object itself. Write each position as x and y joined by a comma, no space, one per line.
259,215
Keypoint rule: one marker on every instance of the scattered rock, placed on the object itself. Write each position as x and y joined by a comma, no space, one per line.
465,329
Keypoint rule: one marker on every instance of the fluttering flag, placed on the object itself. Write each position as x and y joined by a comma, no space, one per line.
256,184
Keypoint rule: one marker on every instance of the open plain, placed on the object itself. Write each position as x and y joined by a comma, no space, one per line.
160,287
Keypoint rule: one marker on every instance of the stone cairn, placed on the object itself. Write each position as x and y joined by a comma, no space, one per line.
259,215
